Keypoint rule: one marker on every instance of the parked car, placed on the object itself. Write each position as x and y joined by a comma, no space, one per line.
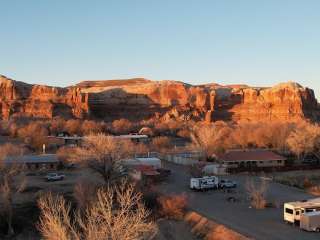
226,183
54,177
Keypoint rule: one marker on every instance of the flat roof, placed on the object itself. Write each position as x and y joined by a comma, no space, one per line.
67,137
148,159
315,202
131,136
43,158
251,155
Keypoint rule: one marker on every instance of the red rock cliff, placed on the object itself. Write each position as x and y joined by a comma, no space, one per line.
138,99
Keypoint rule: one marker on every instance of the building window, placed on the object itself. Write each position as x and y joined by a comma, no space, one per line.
279,161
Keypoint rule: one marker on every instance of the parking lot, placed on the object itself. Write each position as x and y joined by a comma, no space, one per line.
238,215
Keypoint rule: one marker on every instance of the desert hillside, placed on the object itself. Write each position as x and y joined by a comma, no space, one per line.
138,99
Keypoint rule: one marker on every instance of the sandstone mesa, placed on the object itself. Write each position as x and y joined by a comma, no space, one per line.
137,99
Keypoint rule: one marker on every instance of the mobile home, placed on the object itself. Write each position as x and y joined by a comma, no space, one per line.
292,210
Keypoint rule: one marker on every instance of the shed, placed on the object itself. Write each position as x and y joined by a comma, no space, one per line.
214,169
151,161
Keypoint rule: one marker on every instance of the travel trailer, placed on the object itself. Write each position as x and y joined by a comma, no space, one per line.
310,221
292,210
204,183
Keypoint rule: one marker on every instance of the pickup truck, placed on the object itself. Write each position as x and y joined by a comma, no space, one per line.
54,177
226,183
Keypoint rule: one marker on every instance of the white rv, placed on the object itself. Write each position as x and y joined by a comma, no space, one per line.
310,221
204,183
292,211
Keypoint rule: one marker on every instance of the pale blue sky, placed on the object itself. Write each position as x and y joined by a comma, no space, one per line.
60,42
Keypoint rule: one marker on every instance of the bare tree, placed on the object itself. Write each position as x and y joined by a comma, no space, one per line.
117,213
211,138
84,192
161,144
55,222
34,134
304,139
102,153
11,182
257,192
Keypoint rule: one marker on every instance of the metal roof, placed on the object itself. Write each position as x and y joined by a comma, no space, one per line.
43,158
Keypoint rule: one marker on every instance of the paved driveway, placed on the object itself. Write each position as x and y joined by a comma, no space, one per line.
266,224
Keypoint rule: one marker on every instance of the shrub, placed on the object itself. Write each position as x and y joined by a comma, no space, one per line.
314,190
173,206
307,183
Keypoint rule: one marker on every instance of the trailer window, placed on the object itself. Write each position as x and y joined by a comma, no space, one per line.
297,212
288,210
310,210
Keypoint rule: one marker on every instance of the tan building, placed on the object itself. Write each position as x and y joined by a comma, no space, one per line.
252,158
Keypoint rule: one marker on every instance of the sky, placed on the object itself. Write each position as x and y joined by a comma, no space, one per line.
259,43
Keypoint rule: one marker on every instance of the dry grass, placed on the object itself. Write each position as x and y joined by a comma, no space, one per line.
173,206
257,193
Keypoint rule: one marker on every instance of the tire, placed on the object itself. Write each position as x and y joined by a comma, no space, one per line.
317,229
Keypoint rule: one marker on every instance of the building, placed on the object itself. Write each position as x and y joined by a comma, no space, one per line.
35,162
146,161
214,169
251,159
134,138
184,158
65,140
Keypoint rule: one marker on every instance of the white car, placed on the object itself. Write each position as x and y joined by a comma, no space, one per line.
54,177
226,183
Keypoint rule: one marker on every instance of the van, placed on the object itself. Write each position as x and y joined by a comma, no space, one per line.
292,211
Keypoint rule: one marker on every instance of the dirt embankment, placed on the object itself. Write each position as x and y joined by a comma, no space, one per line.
210,230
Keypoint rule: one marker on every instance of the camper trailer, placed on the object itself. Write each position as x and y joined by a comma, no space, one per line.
310,221
204,183
292,211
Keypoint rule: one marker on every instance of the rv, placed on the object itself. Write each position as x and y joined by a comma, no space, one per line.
310,221
292,211
204,183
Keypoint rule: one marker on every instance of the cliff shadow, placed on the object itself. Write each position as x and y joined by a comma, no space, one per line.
224,101
116,103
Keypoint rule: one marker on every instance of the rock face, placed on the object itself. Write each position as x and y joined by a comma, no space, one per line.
138,99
